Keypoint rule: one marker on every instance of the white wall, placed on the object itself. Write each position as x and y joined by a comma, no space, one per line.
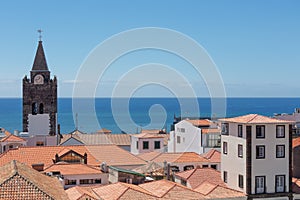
140,141
190,138
133,146
102,176
270,166
231,163
38,124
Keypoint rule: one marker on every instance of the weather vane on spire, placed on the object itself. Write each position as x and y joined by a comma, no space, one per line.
40,32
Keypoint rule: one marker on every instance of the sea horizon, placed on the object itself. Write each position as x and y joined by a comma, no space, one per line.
11,115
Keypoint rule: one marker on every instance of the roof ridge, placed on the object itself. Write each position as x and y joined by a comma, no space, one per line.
159,153
174,184
194,170
123,192
255,115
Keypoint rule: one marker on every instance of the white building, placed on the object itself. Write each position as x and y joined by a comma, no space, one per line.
199,136
146,142
256,156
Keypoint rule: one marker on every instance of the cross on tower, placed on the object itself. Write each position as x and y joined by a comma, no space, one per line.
40,32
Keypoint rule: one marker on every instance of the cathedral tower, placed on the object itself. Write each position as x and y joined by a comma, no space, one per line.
40,98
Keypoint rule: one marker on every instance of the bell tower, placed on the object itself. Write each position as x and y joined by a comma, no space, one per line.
40,97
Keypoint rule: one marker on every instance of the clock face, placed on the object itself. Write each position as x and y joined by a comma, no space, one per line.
38,79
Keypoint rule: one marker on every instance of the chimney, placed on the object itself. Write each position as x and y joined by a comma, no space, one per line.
38,167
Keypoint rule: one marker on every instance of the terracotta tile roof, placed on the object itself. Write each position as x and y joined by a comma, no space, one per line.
104,130
147,135
114,155
151,131
213,155
296,142
254,119
205,188
184,157
80,192
170,190
119,139
111,154
199,122
95,139
197,176
149,156
210,130
30,183
72,169
223,192
12,138
122,191
296,185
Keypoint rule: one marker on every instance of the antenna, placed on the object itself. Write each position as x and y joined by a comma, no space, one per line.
40,34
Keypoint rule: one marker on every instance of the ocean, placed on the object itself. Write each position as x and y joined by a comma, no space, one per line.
140,113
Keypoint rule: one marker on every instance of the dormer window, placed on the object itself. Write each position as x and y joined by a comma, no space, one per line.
71,157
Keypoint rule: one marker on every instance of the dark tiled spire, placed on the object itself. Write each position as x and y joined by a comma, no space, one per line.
40,63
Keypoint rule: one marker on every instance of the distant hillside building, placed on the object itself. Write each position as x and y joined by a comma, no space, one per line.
40,102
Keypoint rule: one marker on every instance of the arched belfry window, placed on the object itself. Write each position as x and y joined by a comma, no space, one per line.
41,108
34,108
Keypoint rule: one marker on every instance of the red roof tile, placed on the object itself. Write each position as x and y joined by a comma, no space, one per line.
95,155
18,181
197,176
255,119
213,155
73,169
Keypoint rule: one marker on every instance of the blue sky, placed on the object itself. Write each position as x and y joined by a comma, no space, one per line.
254,44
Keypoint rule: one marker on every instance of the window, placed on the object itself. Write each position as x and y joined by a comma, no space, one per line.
137,144
240,131
224,147
241,181
225,176
182,130
240,150
225,129
183,182
34,108
70,182
174,169
213,166
86,181
260,131
260,151
204,166
188,167
280,183
213,140
280,131
98,181
156,144
41,108
39,143
178,139
260,184
145,145
280,151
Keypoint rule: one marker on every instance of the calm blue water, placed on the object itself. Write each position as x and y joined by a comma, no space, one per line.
11,112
